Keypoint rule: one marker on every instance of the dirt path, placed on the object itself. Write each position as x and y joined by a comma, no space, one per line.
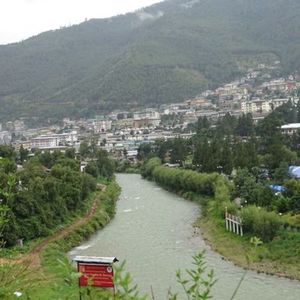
32,259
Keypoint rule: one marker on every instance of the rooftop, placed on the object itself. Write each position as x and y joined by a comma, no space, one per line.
95,259
291,126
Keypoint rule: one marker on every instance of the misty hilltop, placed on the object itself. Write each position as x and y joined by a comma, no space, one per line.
164,53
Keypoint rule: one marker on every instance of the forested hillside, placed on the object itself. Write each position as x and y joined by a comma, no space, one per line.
165,53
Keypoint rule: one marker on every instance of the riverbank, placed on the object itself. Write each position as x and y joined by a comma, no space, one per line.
279,255
153,230
242,253
53,257
48,269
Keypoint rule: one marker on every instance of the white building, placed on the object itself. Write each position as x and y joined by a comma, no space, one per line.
45,142
255,106
261,106
101,126
290,128
146,114
54,140
5,137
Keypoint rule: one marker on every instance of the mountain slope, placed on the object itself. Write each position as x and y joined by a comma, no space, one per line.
164,53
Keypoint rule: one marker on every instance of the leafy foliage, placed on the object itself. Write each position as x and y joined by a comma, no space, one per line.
261,222
48,191
196,286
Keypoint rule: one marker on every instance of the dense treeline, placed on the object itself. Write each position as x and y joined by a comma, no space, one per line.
234,143
46,191
214,191
184,180
166,53
241,159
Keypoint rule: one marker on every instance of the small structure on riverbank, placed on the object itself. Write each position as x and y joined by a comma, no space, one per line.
95,271
233,223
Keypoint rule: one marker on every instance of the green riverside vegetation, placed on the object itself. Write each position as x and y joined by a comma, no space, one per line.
47,193
61,278
279,252
57,279
230,164
234,164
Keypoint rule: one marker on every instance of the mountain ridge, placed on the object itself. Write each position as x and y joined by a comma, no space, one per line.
167,52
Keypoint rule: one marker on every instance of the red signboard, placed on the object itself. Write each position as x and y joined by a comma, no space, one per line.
96,275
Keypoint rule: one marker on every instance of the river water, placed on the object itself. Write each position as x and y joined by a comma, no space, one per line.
153,232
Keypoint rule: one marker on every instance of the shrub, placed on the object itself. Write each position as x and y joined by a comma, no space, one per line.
260,222
267,225
249,215
149,167
180,180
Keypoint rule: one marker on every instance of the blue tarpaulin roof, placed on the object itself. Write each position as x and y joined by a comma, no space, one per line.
294,171
277,188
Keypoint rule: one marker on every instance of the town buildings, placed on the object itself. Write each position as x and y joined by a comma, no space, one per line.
122,132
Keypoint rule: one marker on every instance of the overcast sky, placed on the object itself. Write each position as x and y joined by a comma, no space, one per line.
20,19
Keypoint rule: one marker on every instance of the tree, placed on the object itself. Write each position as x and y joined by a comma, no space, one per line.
6,152
144,151
226,161
92,169
178,153
201,154
84,149
7,165
281,173
70,153
226,125
161,149
245,154
47,159
94,146
23,154
278,154
105,165
245,126
202,125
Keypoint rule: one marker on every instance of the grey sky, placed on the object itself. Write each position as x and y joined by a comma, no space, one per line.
20,19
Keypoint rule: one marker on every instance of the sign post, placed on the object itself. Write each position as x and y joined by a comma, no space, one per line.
95,271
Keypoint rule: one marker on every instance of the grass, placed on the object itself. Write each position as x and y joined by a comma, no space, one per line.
280,256
55,264
57,279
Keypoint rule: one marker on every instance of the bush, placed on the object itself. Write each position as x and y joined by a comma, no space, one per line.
222,189
180,180
281,204
249,215
267,225
260,222
231,207
149,167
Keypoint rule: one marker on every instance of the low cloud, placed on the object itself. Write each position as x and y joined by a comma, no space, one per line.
189,4
144,16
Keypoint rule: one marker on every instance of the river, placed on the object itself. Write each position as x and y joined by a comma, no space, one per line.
153,232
